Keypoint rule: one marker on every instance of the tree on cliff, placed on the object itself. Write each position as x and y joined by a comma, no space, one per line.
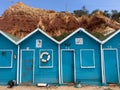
82,11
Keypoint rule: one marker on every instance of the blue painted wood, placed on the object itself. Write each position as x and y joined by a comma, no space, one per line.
43,75
111,71
49,63
7,74
68,66
5,58
27,67
85,75
115,44
87,61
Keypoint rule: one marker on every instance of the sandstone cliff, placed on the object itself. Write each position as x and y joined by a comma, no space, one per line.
20,19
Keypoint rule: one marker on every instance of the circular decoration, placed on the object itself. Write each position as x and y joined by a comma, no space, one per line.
48,57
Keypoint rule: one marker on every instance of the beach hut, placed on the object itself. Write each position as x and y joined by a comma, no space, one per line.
38,59
9,65
81,58
111,58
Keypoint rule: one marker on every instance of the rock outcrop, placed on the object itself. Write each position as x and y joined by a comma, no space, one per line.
20,19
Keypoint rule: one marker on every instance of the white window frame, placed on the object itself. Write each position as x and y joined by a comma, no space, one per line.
51,59
9,50
81,58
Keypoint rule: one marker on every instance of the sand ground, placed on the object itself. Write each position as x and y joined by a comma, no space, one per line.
114,87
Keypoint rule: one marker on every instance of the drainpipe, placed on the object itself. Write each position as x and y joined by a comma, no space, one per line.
102,65
18,64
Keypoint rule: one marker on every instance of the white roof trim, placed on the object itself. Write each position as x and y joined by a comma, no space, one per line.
80,29
1,32
104,41
38,29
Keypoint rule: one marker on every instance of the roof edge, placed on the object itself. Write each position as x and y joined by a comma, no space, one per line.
110,37
77,30
37,29
5,35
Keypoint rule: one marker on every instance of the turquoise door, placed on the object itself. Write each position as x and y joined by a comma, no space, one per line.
68,66
110,62
27,67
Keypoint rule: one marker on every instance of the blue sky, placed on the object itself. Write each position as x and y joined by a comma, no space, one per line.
63,5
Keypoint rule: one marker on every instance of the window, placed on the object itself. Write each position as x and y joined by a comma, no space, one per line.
87,58
79,41
6,58
46,58
38,43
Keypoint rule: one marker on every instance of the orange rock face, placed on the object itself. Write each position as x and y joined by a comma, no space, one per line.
20,19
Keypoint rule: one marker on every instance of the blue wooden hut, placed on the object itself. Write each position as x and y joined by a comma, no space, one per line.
81,58
9,64
38,59
111,58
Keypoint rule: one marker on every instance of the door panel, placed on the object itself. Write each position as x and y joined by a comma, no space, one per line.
27,67
68,66
111,70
